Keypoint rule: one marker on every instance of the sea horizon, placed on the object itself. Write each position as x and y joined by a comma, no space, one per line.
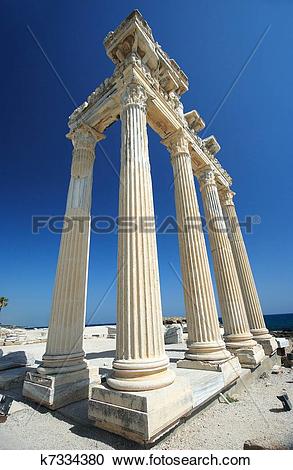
274,321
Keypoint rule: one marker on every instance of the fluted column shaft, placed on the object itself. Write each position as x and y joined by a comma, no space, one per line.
204,338
237,333
245,275
141,362
65,335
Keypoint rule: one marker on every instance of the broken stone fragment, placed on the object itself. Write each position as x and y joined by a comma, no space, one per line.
174,335
262,445
16,359
276,369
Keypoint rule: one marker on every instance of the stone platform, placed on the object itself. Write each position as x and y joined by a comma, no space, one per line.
141,416
144,417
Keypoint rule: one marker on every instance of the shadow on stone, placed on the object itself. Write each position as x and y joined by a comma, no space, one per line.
101,354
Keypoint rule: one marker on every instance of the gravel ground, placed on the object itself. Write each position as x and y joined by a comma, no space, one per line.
256,416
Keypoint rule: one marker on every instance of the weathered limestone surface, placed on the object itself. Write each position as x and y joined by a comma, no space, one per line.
142,398
229,370
237,334
204,339
64,351
141,362
11,377
65,335
249,292
16,359
56,391
173,334
140,416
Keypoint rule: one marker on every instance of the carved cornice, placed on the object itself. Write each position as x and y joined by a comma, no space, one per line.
211,145
145,62
194,121
135,36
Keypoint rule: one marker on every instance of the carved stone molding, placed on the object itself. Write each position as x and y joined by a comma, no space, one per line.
207,176
226,196
84,139
177,144
212,145
138,57
194,121
134,94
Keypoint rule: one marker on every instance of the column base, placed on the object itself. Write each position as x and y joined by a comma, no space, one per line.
213,351
269,345
56,391
63,363
140,375
234,342
230,368
250,358
140,416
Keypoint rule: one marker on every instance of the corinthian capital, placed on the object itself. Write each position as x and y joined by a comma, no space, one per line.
134,94
226,196
84,137
177,143
207,176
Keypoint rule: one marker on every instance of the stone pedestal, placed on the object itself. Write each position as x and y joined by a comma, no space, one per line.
250,357
248,288
64,350
204,338
269,344
140,416
56,391
237,334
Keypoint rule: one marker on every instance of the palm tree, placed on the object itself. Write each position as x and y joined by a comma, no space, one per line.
3,302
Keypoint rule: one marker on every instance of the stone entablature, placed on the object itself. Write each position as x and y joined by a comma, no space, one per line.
139,58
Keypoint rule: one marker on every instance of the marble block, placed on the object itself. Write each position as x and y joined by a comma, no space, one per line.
230,369
282,342
173,334
140,416
269,344
250,358
16,359
10,377
55,391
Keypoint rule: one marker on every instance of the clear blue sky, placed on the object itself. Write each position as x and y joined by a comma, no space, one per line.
212,41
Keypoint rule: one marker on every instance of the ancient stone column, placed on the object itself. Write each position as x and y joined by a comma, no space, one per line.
65,336
141,362
249,292
63,361
237,334
204,338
